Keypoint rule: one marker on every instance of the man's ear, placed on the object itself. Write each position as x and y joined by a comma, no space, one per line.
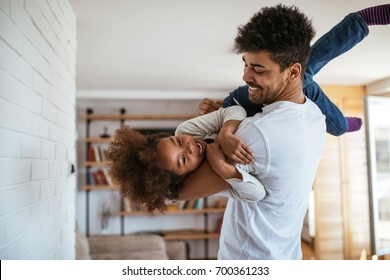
295,71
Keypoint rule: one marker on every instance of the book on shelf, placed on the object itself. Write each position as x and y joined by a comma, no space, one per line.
90,180
96,153
219,225
198,204
102,177
180,204
108,178
95,178
91,153
98,177
190,204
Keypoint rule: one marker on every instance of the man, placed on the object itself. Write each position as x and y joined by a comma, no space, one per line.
286,138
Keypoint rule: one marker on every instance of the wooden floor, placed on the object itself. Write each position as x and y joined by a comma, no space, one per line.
307,251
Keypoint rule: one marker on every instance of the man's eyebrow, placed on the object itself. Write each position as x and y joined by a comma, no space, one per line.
174,143
257,65
252,64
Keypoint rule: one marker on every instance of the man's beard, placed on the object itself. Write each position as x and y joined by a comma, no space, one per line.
261,98
257,99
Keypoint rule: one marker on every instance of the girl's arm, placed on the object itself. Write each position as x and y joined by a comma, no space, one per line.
243,186
205,182
232,146
210,123
224,122
201,183
219,164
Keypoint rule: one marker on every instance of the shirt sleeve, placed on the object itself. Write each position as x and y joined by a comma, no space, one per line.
210,123
249,189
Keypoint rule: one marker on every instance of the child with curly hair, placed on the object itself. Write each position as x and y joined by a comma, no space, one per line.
149,168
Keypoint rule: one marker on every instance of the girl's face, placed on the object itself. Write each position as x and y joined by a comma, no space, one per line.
181,154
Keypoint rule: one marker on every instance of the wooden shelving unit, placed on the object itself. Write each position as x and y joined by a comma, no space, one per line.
203,234
191,236
95,163
98,140
99,187
177,212
157,117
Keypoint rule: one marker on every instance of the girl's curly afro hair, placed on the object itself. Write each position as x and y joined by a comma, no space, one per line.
136,170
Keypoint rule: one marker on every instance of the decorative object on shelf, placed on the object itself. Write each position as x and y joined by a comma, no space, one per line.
105,219
105,133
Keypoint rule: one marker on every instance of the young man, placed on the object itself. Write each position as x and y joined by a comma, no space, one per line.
286,139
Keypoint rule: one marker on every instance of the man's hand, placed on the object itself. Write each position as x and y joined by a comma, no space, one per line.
207,106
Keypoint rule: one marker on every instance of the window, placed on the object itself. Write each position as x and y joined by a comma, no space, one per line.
378,145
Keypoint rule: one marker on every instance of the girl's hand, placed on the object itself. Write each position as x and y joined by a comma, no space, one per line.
207,106
218,162
234,148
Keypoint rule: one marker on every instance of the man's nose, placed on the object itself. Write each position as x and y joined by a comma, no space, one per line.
247,77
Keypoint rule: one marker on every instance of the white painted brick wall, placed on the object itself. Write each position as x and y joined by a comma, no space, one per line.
37,129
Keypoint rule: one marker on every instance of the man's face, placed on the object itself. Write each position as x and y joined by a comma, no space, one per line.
181,154
266,83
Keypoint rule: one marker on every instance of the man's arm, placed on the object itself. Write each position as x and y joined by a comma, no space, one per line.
201,183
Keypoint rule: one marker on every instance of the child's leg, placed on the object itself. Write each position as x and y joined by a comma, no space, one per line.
340,39
336,124
345,35
354,123
378,15
350,31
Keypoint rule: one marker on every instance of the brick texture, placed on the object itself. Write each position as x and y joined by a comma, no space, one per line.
37,129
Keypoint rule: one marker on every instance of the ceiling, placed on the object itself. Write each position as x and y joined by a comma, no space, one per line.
182,45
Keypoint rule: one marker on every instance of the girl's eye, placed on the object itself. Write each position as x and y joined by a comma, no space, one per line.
179,142
183,159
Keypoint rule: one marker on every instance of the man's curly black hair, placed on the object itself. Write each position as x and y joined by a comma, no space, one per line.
281,30
136,170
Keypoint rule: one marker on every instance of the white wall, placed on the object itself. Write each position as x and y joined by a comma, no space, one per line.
381,87
37,129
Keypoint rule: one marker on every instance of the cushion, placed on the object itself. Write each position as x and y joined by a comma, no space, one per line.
126,243
82,246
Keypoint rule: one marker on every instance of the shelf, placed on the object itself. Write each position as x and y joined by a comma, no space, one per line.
96,163
98,140
191,236
115,117
176,212
100,187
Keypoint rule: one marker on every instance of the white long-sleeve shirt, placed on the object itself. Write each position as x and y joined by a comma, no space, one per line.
249,189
